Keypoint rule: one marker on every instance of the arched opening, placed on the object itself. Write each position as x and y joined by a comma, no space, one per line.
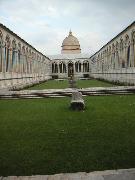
64,68
24,59
54,67
122,61
7,51
128,56
1,63
70,69
123,64
134,50
13,54
85,66
80,67
127,44
27,60
76,66
19,58
117,59
60,68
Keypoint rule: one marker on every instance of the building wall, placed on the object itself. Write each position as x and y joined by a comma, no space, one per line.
74,51
60,68
20,63
116,60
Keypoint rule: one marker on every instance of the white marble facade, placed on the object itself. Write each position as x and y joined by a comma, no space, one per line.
20,63
65,65
115,61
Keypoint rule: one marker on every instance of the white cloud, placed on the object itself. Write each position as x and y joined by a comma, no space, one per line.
45,24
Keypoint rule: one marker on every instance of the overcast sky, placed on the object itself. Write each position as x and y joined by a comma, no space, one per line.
45,23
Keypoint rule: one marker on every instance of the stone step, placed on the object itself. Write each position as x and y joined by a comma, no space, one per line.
101,91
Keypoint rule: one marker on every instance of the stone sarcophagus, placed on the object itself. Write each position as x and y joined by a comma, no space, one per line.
77,102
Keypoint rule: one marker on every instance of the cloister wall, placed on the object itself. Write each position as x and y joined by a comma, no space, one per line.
116,60
20,63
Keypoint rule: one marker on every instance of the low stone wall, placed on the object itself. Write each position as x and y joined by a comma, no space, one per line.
124,75
20,81
116,78
121,174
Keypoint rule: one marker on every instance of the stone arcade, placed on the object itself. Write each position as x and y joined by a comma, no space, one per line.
22,65
115,61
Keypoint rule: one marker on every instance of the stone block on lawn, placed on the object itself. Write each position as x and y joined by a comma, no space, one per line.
77,102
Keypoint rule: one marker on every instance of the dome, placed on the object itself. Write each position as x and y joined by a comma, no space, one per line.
70,45
70,40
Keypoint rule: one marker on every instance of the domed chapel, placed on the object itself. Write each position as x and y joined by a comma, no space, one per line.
71,61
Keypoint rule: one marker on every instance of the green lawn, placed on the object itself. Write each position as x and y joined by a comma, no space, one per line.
53,84
45,137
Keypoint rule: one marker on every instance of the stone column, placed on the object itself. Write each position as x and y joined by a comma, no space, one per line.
11,66
126,65
29,69
120,58
39,70
34,69
132,54
10,59
17,66
38,67
19,62
125,55
25,68
66,64
3,58
3,64
20,67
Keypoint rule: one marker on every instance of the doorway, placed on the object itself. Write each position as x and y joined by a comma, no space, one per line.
70,69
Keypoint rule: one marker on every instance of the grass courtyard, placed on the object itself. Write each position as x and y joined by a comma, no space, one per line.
45,137
53,84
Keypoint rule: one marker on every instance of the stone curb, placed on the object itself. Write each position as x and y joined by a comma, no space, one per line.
121,174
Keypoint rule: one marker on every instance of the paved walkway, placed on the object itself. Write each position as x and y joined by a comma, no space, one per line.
122,174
